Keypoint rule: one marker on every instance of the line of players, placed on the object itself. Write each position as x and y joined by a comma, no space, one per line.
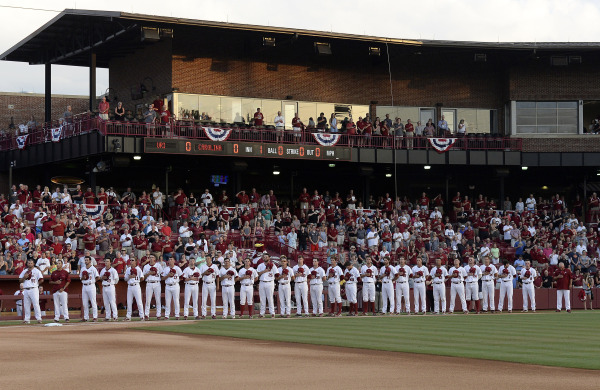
464,283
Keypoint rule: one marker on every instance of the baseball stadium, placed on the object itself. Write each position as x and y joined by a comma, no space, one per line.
252,206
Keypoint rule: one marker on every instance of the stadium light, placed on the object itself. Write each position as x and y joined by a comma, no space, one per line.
331,165
388,175
524,168
276,172
427,167
137,158
544,187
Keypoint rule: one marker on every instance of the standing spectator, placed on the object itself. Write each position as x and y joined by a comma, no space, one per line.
333,123
279,126
442,127
68,115
321,122
564,284
120,112
409,129
258,118
103,108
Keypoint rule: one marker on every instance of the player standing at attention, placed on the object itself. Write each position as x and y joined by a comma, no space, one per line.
403,273
227,275
528,275
89,276
488,278
564,284
419,275
284,277
191,277
60,279
316,277
209,272
247,276
152,276
300,287
352,276
110,278
368,274
457,274
31,278
506,273
133,277
438,276
334,273
171,275
387,275
472,285
266,272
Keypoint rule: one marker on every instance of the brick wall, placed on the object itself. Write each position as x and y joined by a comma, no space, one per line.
579,143
27,104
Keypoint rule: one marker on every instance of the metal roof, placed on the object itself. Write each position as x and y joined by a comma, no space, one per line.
68,38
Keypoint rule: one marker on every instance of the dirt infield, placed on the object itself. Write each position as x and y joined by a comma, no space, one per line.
113,356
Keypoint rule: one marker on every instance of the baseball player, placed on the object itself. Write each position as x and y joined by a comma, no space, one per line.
334,274
191,277
368,274
506,273
152,276
488,279
31,278
89,276
316,277
266,272
284,277
457,275
133,277
387,275
171,274
209,272
247,277
472,285
420,276
300,286
438,276
110,278
564,284
227,275
528,275
352,276
403,273
60,279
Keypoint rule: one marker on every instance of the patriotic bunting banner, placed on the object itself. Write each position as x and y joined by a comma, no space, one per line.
327,139
56,133
23,129
21,141
217,134
94,211
442,145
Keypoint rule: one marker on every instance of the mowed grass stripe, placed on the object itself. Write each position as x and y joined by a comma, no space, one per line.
553,339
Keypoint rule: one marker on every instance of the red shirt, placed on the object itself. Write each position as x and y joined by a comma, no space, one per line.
564,282
258,118
165,116
243,199
140,243
409,128
90,198
61,275
119,265
304,197
103,107
89,245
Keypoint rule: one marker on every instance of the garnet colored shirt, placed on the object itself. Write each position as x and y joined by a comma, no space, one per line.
563,283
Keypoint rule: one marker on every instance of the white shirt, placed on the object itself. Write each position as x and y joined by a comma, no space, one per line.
532,275
472,277
519,206
387,278
210,278
133,280
352,275
245,272
374,273
449,233
43,265
492,271
33,281
460,277
320,274
229,281
438,279
300,277
189,273
416,269
125,240
267,276
530,202
334,275
286,279
407,273
152,278
112,278
435,214
185,231
157,197
279,121
512,272
92,275
506,229
372,238
206,198
173,279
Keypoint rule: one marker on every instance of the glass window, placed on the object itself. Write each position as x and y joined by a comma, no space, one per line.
358,111
269,109
307,110
547,117
231,109
211,106
249,107
186,105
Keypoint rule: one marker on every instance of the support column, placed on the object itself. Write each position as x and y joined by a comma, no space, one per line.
47,93
92,105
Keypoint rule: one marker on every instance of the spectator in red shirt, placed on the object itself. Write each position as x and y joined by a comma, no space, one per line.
258,118
89,197
89,241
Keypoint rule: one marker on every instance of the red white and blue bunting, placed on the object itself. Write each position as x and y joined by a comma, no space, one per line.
22,141
56,133
442,145
217,134
94,211
327,139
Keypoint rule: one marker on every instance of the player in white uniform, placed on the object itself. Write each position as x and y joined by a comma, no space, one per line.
457,275
109,277
266,272
420,275
191,277
438,276
171,274
89,276
31,279
352,276
152,276
227,276
316,277
247,276
506,273
284,278
403,273
300,287
368,274
133,277
472,285
488,279
209,272
334,274
528,275
386,275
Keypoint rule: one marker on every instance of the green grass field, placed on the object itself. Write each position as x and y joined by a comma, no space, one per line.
551,339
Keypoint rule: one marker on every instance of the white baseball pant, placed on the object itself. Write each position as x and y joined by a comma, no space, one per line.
153,289
246,295
301,292
209,290
190,292
61,306
285,299
458,288
387,294
439,297
488,289
472,291
32,298
110,301
560,294
402,290
228,295
528,296
172,297
266,290
134,292
351,290
333,292
420,296
368,292
316,298
506,290
88,295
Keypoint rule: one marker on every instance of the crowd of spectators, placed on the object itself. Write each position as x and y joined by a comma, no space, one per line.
46,225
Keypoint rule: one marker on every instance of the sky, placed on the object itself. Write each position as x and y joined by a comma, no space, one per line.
461,20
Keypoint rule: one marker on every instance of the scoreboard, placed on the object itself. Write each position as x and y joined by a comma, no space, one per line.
246,149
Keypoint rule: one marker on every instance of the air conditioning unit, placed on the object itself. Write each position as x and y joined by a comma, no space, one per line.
150,34
559,61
